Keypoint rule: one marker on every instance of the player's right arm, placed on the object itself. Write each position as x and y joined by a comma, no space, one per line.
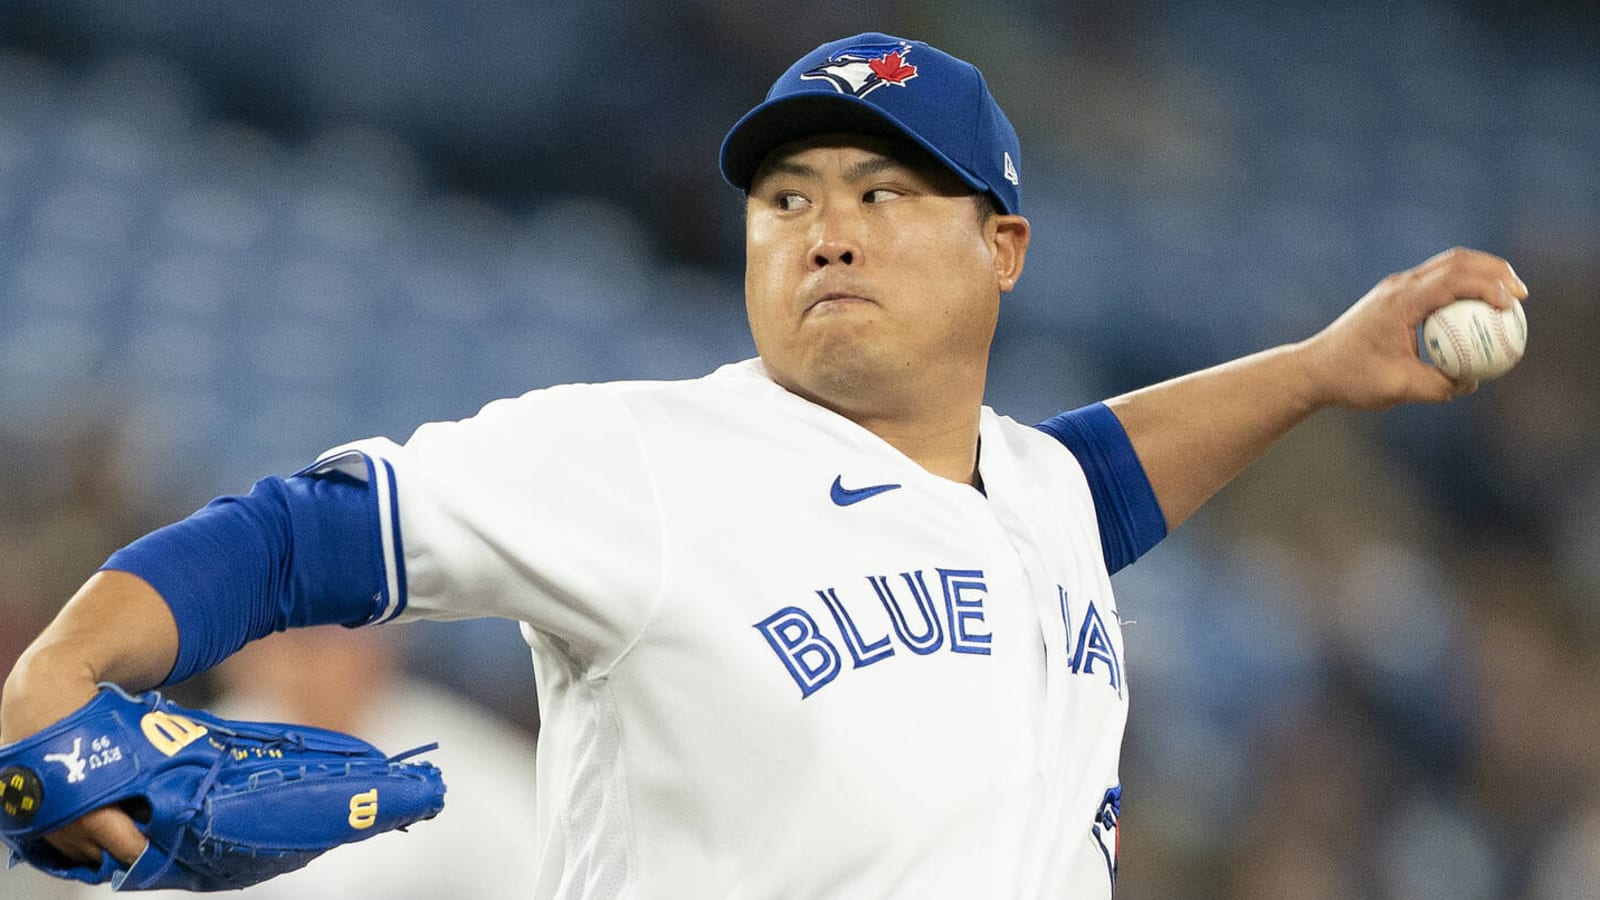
1195,433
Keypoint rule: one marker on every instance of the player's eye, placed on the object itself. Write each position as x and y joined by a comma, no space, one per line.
789,201
879,195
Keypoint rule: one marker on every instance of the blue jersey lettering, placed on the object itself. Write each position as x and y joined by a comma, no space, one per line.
965,612
925,641
810,657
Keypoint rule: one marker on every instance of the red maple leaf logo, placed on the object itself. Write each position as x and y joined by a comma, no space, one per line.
893,68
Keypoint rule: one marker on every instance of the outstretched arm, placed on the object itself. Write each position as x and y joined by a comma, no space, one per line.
1193,434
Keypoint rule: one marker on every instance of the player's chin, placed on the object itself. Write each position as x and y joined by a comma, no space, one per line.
846,368
850,327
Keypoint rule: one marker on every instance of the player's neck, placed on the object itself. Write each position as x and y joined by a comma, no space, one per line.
934,424
946,445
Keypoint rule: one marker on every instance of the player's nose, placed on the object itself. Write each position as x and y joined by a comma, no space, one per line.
836,238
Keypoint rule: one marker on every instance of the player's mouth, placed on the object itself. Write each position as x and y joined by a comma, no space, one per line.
835,300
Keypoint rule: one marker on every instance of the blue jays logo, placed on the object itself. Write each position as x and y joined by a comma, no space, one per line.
1105,831
864,68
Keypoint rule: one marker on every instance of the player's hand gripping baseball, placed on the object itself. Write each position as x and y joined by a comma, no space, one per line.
1367,358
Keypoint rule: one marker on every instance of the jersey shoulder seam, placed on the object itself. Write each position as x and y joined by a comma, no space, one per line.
651,479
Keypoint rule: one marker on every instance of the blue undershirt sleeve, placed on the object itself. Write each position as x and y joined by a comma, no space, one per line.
1131,521
295,551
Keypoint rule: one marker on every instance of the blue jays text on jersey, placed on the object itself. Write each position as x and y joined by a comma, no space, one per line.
919,622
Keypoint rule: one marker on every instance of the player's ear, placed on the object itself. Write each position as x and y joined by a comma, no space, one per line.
1009,243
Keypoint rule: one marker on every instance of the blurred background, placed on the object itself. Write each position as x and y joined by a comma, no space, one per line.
234,235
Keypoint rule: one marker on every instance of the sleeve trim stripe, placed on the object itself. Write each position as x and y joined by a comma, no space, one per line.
393,548
383,479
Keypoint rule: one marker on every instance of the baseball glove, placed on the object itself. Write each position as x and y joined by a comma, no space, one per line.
223,804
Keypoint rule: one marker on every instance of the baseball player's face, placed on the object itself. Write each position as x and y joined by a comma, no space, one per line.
871,281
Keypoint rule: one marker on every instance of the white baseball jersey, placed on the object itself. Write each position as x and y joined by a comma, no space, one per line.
776,658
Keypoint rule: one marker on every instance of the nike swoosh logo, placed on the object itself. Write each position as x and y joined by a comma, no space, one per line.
843,496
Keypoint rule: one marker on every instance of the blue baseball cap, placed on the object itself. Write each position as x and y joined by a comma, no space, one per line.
877,84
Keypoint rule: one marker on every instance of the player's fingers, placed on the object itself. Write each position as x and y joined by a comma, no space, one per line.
116,832
1426,383
1505,297
1515,285
106,828
1488,263
1440,388
1442,287
1473,273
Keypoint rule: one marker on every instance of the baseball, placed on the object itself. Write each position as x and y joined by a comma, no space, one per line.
1471,339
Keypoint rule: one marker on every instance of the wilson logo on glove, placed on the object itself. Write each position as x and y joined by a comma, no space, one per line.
364,810
170,733
252,801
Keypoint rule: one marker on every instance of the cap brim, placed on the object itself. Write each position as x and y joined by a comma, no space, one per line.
790,118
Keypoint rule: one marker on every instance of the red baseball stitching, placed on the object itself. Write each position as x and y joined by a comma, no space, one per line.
1504,339
1464,360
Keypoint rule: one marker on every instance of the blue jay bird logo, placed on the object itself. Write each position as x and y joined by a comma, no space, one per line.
864,68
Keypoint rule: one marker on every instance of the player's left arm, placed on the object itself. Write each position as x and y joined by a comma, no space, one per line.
1193,434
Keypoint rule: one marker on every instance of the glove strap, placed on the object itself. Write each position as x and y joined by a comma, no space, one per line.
414,751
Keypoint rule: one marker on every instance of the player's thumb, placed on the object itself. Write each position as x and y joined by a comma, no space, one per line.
1437,387
107,828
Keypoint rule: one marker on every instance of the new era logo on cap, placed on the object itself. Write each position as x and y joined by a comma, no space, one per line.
878,84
